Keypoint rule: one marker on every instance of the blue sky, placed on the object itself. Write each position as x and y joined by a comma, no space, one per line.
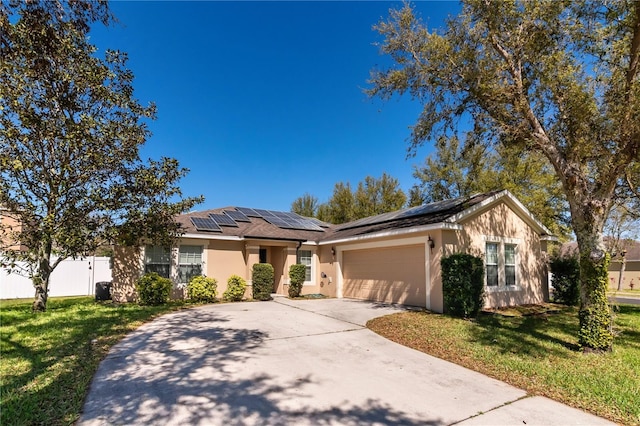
263,101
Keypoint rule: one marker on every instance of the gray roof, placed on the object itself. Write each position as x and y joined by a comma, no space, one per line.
259,228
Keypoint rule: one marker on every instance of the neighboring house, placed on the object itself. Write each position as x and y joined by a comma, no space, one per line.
392,258
631,276
10,227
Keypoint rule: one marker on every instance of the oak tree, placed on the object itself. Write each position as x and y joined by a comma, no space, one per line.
558,78
70,133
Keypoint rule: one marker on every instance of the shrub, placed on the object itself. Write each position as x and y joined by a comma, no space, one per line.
297,274
262,279
462,284
235,289
202,289
153,289
566,279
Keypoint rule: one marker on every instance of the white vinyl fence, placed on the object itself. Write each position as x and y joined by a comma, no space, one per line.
70,278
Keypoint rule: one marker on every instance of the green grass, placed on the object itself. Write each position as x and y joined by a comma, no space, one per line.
536,352
48,359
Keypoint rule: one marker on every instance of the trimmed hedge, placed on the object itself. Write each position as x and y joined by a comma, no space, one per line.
262,280
566,279
202,289
153,289
463,284
297,274
236,287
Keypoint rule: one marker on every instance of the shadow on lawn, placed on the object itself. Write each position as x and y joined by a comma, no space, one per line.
549,333
59,354
532,335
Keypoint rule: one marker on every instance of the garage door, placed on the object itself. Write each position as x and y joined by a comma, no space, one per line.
391,274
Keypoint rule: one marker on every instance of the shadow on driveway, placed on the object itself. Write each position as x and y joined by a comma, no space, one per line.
190,367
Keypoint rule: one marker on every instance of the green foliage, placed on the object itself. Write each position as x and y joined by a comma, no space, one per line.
307,205
202,289
459,171
372,197
595,314
566,279
236,287
297,274
262,280
559,79
49,359
341,205
462,284
71,135
153,289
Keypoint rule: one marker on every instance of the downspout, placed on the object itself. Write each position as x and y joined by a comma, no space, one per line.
428,276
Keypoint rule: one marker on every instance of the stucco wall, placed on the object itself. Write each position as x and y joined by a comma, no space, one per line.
327,265
531,271
127,268
224,259
631,275
9,228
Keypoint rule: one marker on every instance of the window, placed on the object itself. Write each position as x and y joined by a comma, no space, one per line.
492,264
189,263
157,259
510,264
500,264
304,258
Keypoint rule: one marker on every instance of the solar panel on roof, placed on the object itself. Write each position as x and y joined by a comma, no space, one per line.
248,211
236,215
276,221
303,224
265,213
205,224
423,210
319,222
223,220
281,215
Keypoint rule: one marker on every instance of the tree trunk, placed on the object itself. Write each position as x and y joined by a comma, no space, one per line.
595,315
41,284
623,264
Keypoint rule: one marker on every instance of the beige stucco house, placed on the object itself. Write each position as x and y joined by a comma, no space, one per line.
392,258
630,278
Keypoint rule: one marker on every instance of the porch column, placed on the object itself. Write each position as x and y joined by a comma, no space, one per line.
290,260
252,256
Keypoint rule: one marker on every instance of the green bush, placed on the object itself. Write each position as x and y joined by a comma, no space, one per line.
236,287
297,274
462,284
153,289
202,289
566,280
262,279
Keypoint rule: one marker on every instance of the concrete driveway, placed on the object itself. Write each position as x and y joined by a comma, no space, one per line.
296,362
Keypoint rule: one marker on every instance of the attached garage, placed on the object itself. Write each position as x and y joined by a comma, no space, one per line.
390,274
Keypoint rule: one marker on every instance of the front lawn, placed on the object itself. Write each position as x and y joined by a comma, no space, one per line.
537,353
48,359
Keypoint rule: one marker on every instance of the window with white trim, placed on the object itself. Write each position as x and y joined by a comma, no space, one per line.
157,259
491,264
305,258
510,264
500,264
189,263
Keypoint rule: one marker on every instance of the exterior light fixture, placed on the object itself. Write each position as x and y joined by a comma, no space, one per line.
432,243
